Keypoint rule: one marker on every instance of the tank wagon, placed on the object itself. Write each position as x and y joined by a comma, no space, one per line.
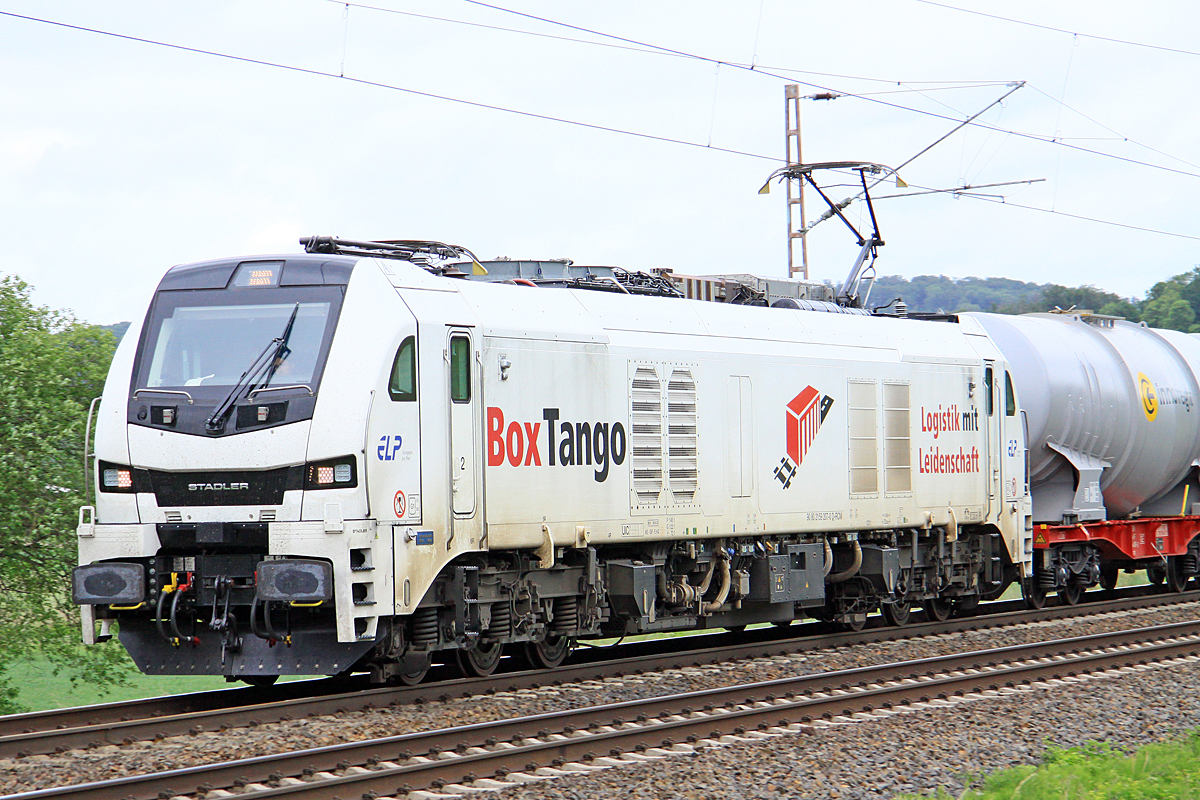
358,457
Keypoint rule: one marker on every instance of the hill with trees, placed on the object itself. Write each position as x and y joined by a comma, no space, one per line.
1173,303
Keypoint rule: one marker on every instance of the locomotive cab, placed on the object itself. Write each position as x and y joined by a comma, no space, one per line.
225,485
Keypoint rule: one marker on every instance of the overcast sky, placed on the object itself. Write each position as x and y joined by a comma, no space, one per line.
120,158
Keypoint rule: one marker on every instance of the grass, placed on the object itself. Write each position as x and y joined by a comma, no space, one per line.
40,689
1097,771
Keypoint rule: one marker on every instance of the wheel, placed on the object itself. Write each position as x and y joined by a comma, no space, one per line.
260,680
548,653
1177,581
481,660
1108,577
1034,594
855,622
414,668
1069,595
898,613
937,609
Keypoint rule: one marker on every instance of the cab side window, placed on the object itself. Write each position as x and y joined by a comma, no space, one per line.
402,386
460,369
1010,398
987,390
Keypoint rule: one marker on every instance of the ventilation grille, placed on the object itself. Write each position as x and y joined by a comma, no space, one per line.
645,394
862,411
897,445
682,465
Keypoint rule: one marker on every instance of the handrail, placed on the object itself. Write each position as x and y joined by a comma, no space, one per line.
163,391
87,440
304,386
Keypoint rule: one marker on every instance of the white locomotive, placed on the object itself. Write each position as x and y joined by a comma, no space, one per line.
316,463
359,457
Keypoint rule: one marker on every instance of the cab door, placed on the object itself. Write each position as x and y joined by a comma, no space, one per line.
1015,469
992,437
463,396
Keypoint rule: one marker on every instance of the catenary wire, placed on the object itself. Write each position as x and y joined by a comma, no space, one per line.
545,117
1004,202
393,87
652,50
768,71
1062,30
1118,134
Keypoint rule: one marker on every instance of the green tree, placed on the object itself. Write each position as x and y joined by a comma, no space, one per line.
1166,308
51,366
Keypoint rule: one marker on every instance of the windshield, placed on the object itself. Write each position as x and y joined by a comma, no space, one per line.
208,339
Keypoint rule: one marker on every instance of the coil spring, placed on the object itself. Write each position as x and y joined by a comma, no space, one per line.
566,615
425,626
1189,563
501,622
1047,579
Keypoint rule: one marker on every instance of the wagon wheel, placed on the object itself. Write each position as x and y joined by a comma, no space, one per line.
1034,594
1108,577
1070,594
414,668
548,653
481,660
1177,580
855,622
260,680
937,610
898,613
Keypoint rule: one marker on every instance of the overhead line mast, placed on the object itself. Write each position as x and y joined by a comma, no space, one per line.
795,190
794,157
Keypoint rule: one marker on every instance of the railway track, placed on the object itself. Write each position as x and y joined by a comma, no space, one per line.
586,738
124,723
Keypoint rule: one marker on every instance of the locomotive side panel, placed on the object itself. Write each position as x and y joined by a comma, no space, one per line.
557,443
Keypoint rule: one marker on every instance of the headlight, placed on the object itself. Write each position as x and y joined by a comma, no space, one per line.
295,580
334,473
119,478
103,584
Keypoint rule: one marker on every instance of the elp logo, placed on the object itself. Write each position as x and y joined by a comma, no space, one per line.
805,413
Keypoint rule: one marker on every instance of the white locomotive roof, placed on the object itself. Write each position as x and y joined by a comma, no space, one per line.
562,314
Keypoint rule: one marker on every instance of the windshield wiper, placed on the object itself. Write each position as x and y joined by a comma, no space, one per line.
264,365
